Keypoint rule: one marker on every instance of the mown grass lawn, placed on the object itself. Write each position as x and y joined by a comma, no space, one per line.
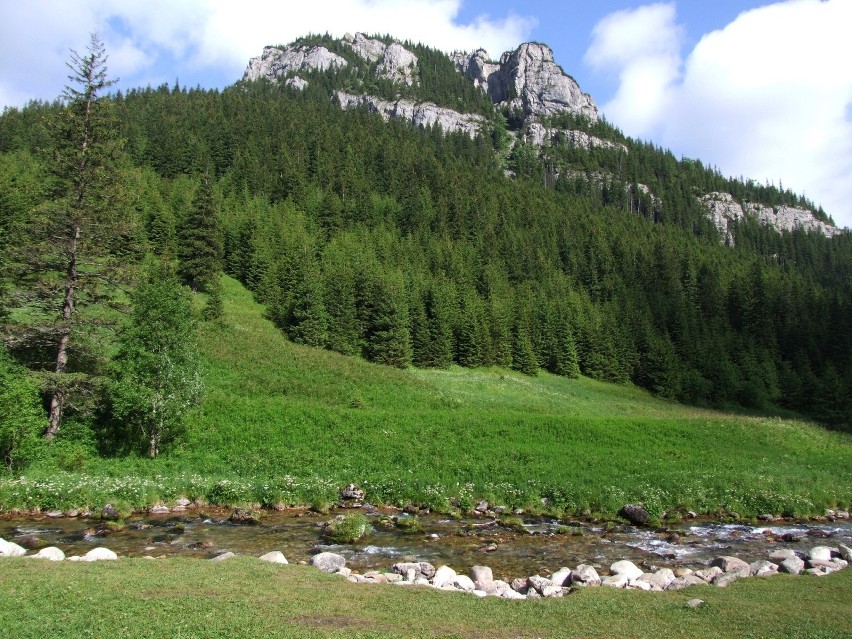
244,597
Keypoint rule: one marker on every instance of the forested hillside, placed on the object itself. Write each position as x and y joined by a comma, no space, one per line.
415,247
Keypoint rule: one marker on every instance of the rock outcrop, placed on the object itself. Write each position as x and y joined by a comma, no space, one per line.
422,114
527,79
540,135
722,209
278,62
396,63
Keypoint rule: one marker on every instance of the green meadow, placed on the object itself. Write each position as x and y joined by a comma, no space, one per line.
287,424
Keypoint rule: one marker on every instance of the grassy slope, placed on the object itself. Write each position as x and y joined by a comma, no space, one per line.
248,598
274,408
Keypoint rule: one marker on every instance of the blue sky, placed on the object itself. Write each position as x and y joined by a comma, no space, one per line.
757,88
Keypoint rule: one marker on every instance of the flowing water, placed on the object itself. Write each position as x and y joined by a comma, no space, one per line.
457,543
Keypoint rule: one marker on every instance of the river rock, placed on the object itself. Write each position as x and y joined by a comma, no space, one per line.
615,581
820,553
763,568
685,582
639,584
538,583
634,513
328,562
99,554
683,572
792,565
352,493
11,549
481,575
463,582
585,575
421,569
845,552
561,577
781,554
159,510
110,512
708,574
729,564
657,581
443,576
274,557
626,568
727,578
243,516
695,603
51,553
512,594
54,514
520,585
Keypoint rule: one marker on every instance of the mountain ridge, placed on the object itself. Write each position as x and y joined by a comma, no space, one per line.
526,85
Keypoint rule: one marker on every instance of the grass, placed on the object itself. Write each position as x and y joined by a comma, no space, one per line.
288,424
244,597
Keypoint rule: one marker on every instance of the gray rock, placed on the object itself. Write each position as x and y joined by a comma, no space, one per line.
11,549
819,553
833,565
443,576
54,514
659,579
538,134
279,62
275,557
182,501
110,512
99,554
634,513
615,581
626,568
685,582
328,561
300,84
845,552
781,554
763,568
729,564
723,209
695,603
463,582
818,572
561,577
396,63
420,114
792,565
552,592
520,585
728,578
159,510
481,575
512,594
51,553
709,574
585,575
344,572
527,79
683,572
538,583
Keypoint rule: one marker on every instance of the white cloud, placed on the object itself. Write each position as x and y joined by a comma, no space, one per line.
766,97
216,37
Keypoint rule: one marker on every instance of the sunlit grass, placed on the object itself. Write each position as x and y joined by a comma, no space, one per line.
302,421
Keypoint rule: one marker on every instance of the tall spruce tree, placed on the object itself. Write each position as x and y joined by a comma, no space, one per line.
199,240
67,259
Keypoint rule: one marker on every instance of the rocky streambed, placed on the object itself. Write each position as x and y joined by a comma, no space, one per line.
512,548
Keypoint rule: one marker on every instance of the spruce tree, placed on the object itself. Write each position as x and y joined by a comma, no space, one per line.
199,240
74,246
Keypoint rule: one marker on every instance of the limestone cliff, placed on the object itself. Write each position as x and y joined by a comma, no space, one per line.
722,209
396,63
279,62
421,114
527,79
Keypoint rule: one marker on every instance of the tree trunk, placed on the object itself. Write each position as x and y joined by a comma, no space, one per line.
57,399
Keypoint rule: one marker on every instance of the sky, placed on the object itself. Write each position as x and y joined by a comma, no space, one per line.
757,88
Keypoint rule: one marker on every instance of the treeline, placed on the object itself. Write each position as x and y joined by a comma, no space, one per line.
410,246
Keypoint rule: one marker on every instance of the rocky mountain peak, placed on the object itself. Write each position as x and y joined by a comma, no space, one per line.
277,62
396,63
527,79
